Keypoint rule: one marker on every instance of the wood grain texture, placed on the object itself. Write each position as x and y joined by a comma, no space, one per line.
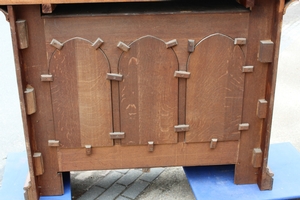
262,108
148,93
64,93
117,157
30,98
151,82
257,157
63,28
38,163
266,51
265,180
33,191
22,31
41,128
215,90
81,95
245,173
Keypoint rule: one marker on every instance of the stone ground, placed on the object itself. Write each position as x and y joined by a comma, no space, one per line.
160,183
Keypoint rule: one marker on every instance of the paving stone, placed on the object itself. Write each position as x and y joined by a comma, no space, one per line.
83,180
92,193
123,171
130,177
112,192
135,189
109,179
122,198
153,174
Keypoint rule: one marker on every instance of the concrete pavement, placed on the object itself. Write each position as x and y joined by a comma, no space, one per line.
159,183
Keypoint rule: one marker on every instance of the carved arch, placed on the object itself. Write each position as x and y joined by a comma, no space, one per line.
215,90
81,95
148,92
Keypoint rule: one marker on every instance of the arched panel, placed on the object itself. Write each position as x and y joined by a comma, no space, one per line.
148,93
215,90
81,95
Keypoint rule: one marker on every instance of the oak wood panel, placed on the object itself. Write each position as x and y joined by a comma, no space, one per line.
215,90
161,25
180,154
34,63
65,96
81,95
255,84
181,26
65,27
265,180
148,93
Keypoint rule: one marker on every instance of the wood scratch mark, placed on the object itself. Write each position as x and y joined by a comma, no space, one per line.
223,75
130,106
64,58
133,60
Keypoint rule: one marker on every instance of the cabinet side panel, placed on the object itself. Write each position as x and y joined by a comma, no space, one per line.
261,21
34,63
265,180
20,74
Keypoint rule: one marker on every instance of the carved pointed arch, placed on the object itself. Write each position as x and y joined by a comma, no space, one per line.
81,95
215,90
148,92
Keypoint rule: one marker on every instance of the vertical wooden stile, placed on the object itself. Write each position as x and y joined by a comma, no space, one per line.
26,121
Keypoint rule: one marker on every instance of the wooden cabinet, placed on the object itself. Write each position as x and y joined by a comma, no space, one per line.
145,84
